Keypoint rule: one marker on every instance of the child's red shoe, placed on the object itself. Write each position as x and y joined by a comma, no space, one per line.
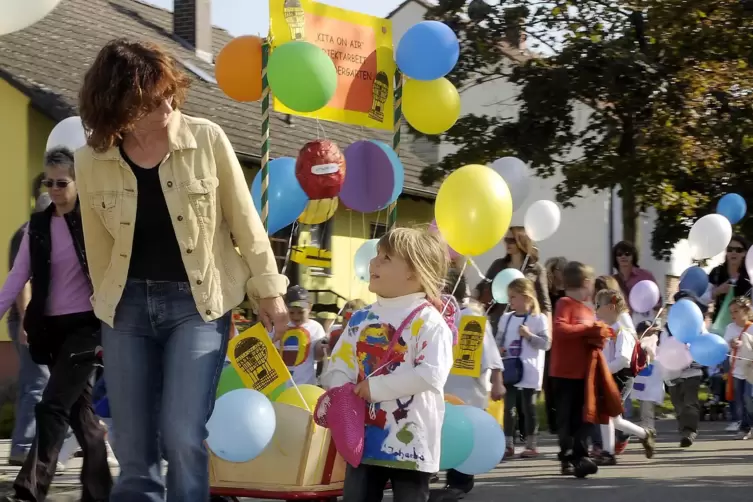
620,447
530,453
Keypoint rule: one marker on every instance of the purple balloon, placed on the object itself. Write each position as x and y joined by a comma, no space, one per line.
374,176
644,296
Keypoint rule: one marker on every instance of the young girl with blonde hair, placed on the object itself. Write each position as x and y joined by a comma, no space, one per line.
612,309
738,336
523,337
399,352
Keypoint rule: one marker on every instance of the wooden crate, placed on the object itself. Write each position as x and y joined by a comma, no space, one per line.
300,457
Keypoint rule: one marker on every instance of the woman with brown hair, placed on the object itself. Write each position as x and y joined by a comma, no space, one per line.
161,194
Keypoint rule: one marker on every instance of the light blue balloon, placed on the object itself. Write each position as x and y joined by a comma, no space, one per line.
365,253
488,442
241,426
694,279
732,206
501,281
685,321
429,50
709,349
457,438
287,200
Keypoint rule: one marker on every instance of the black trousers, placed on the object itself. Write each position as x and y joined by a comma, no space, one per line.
460,481
366,483
67,401
549,398
572,430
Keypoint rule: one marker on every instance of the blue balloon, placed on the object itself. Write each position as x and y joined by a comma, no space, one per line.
429,50
488,442
457,438
709,349
732,206
685,321
287,200
241,426
501,281
363,257
694,279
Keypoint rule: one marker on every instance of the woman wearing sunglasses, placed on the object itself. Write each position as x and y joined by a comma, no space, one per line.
625,262
730,275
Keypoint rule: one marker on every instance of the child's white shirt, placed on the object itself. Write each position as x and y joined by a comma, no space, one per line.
532,352
404,426
299,351
733,332
619,351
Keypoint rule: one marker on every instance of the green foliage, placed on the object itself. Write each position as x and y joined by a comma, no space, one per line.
667,84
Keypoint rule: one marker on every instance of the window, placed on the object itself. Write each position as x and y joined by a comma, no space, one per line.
377,230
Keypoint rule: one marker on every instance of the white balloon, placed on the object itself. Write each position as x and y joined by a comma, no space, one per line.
19,14
749,263
709,236
68,133
542,219
517,176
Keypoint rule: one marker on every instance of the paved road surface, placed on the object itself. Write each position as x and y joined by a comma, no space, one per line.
716,468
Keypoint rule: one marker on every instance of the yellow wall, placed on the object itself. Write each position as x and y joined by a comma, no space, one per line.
23,135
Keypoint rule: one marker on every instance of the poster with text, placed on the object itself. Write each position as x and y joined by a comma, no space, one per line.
258,362
361,48
468,351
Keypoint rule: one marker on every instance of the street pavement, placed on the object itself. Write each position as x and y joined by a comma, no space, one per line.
716,468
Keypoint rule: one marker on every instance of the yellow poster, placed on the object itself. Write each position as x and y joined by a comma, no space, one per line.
361,48
258,362
467,353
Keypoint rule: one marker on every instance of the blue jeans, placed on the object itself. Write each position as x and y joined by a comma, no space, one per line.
32,379
162,367
742,391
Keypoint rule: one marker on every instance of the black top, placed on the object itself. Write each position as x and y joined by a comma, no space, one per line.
719,275
156,254
15,244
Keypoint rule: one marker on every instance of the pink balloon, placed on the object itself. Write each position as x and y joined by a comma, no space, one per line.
644,296
673,355
434,229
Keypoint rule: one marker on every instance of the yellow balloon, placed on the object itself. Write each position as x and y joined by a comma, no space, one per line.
310,393
319,211
431,106
473,209
497,410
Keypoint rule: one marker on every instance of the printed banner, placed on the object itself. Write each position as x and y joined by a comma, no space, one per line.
361,48
258,362
470,347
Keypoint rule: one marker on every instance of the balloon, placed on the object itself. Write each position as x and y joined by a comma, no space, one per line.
241,426
685,321
452,399
488,443
709,349
319,211
644,296
320,169
434,229
501,281
229,381
363,257
374,176
673,355
709,236
732,206
431,107
542,219
287,200
16,15
238,68
68,133
302,76
749,263
429,50
457,438
517,176
310,393
694,279
479,223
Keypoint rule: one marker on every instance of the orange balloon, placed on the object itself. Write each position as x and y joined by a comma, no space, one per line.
449,398
238,68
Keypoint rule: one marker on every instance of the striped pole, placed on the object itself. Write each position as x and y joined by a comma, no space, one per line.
264,134
398,120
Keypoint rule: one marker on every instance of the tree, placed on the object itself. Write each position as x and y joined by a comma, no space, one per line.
667,83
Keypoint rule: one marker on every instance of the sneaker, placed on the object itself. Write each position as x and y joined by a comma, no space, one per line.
509,452
687,440
451,493
530,453
434,478
620,447
733,427
605,459
59,468
649,444
566,469
585,467
17,460
748,435
595,451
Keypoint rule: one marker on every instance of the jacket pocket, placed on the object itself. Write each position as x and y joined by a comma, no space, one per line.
201,195
105,204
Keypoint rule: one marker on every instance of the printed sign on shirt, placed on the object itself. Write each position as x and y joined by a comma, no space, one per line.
470,347
258,362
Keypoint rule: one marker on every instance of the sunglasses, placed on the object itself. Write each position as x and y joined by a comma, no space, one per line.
735,249
624,253
56,183
510,240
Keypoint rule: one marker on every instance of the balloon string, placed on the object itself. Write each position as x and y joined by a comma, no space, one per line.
653,323
457,283
286,262
494,302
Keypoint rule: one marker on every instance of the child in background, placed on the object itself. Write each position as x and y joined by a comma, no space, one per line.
348,310
612,309
304,343
523,334
742,319
473,391
574,328
648,386
399,351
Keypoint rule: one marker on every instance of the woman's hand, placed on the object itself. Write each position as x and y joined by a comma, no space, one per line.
498,391
274,313
722,289
363,391
736,343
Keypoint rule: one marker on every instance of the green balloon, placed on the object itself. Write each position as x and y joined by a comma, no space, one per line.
302,76
229,380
